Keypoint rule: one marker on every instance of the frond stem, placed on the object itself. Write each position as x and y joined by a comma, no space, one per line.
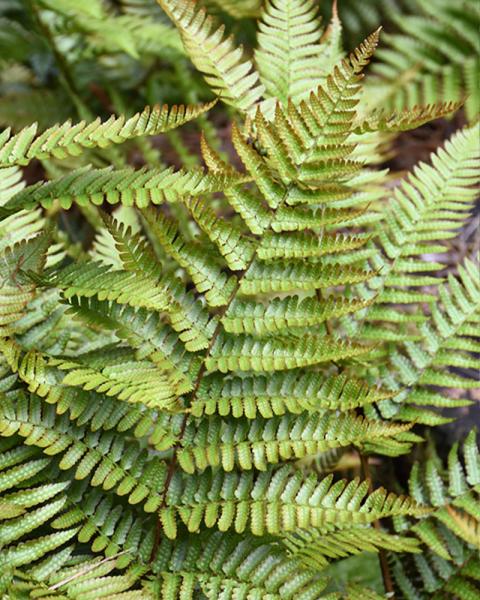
386,575
201,373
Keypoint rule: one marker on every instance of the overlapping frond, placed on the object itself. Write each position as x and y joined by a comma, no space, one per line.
107,460
229,564
429,205
28,503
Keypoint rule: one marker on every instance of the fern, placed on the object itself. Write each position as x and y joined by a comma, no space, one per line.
434,55
184,372
292,58
229,74
65,140
450,564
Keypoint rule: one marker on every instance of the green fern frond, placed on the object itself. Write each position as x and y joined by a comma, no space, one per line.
91,453
421,211
248,316
294,53
126,186
65,140
450,533
179,382
29,503
316,550
226,564
231,76
279,277
274,501
442,343
257,444
247,353
281,393
206,274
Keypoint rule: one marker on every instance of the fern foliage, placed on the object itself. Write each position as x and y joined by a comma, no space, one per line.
449,566
434,55
181,379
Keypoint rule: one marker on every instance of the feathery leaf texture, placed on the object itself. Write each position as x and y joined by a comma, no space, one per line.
293,55
177,394
450,532
231,76
67,139
434,56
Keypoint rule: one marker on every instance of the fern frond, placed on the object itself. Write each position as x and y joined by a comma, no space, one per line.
247,353
316,550
277,277
294,54
271,502
442,342
450,533
65,140
235,248
207,276
248,316
258,444
231,76
126,186
421,211
27,513
108,461
124,287
281,393
226,564
121,375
